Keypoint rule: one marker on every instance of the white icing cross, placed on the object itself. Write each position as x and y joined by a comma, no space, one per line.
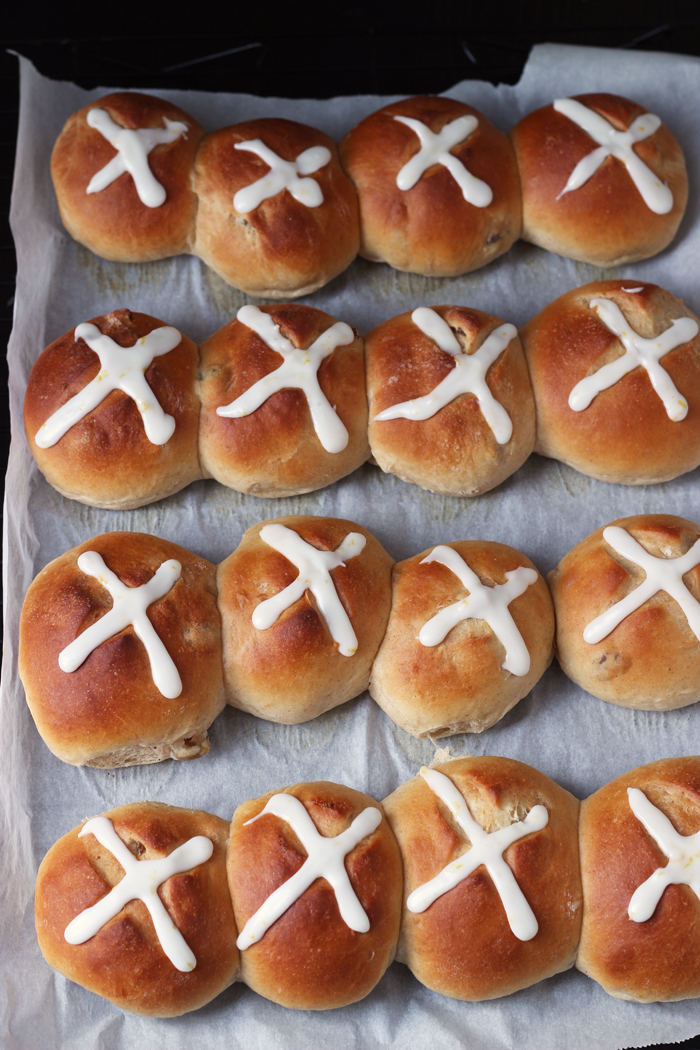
482,603
467,377
314,575
325,860
435,149
133,147
298,371
639,352
120,369
283,175
486,849
128,609
655,194
662,574
141,881
683,852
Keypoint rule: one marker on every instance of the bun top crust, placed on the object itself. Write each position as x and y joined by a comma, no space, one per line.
125,961
655,960
282,248
605,221
431,228
625,434
310,959
113,222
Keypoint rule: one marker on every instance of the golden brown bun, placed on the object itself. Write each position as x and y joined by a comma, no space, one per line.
109,712
431,228
292,672
282,249
309,959
454,452
605,222
113,222
106,460
275,450
651,661
656,960
462,945
625,434
459,685
124,962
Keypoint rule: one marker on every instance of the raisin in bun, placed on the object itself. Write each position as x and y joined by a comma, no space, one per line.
288,235
458,939
124,451
429,226
302,624
460,652
99,199
287,438
308,955
119,954
122,701
603,218
451,406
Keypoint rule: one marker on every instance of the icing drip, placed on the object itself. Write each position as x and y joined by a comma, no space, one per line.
662,574
435,149
129,609
133,147
639,352
467,377
683,852
283,175
314,575
141,881
655,194
298,371
325,860
486,849
120,369
482,603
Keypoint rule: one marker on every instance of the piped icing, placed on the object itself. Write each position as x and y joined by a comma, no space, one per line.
683,852
325,860
128,609
314,575
639,352
467,377
482,603
662,574
435,149
289,175
141,881
121,368
486,849
133,147
613,143
298,371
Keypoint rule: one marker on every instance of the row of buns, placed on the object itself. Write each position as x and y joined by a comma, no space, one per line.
428,185
130,645
480,874
124,410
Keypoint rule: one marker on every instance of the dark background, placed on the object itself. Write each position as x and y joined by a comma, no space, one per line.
303,50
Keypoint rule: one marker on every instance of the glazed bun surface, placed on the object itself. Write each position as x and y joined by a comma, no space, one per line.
125,960
114,222
281,248
605,221
106,459
109,712
430,228
625,434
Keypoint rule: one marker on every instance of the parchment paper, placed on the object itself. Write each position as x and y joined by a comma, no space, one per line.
544,509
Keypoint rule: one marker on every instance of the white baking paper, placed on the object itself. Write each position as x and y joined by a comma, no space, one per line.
543,510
